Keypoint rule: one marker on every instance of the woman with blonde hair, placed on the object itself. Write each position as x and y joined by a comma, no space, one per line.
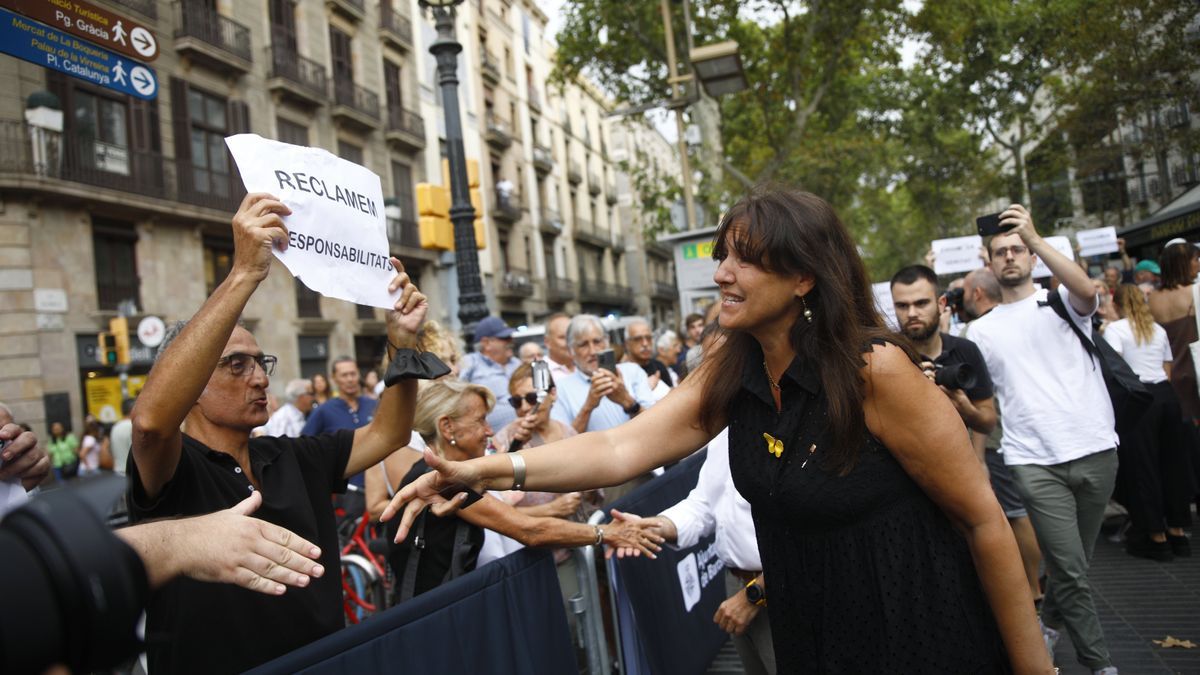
1156,472
451,416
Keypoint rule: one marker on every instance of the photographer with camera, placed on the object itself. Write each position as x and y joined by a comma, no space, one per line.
954,364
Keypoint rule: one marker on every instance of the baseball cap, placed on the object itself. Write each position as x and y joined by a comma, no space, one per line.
1148,266
493,327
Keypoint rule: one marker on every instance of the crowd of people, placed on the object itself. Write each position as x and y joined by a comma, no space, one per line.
939,487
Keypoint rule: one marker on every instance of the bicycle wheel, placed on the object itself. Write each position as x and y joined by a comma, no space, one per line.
362,588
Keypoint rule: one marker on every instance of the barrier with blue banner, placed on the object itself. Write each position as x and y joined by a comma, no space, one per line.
505,618
665,607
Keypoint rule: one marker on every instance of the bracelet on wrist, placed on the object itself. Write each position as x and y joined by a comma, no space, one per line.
518,467
599,535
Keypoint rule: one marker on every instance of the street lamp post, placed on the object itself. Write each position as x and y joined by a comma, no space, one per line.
472,305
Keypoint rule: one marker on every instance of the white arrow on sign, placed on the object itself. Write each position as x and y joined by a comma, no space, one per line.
143,81
144,42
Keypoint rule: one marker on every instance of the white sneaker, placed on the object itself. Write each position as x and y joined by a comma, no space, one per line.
1050,636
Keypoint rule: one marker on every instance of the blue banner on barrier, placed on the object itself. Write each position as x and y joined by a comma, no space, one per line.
505,618
671,601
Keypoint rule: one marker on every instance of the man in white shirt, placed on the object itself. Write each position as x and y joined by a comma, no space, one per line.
1059,428
593,398
120,438
558,354
289,419
715,504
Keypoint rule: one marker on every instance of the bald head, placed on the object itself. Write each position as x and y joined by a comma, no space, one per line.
981,292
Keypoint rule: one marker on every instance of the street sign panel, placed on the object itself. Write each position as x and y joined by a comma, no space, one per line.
46,46
83,19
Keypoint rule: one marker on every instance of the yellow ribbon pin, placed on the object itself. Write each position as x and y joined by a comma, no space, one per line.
774,445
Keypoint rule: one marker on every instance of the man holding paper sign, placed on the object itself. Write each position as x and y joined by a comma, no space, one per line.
211,378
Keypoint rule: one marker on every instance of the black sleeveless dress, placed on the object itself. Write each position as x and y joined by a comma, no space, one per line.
864,573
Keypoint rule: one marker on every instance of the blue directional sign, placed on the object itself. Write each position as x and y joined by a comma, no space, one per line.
45,46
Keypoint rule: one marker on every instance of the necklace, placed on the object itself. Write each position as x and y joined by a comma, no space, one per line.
774,384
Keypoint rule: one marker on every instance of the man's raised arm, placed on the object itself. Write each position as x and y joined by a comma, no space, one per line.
181,373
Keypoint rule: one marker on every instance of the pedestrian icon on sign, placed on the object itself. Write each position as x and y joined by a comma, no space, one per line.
119,73
119,33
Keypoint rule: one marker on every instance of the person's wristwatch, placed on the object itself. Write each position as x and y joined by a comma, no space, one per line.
633,409
755,594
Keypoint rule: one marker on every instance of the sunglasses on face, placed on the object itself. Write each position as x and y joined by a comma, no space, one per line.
530,398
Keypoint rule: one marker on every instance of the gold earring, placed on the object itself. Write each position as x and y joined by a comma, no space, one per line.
808,315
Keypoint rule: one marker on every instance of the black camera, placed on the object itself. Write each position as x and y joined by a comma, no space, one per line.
954,300
955,376
71,591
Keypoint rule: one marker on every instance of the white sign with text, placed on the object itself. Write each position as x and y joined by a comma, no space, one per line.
1097,242
1060,244
337,232
883,301
960,254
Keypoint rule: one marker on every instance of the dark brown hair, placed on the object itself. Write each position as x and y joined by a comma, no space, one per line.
790,232
1176,264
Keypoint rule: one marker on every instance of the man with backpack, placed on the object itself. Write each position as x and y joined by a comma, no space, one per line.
1059,426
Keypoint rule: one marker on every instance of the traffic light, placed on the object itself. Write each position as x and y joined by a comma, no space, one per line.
433,210
106,350
119,327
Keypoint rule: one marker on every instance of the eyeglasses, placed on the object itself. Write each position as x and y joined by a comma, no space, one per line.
242,365
530,398
1003,251
640,338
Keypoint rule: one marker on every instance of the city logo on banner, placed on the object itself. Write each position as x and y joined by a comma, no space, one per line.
37,43
83,19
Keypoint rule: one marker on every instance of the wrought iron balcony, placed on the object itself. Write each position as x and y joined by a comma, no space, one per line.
552,223
594,186
489,68
574,173
403,233
352,9
515,284
406,128
543,160
506,210
559,289
355,105
498,133
216,41
299,78
588,233
610,192
535,100
662,290
591,290
394,28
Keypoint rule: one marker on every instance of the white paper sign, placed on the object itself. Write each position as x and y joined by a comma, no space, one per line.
1097,242
1060,244
883,300
337,233
960,254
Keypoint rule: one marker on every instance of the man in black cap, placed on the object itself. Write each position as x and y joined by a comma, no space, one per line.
491,365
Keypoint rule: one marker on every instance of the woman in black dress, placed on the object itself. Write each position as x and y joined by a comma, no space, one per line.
883,547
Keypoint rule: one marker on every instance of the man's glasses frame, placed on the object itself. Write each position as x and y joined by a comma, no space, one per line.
1015,249
242,365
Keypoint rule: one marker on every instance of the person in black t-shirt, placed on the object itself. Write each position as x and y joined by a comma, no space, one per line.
639,349
918,308
211,378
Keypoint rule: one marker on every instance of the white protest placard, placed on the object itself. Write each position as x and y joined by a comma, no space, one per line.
337,232
1060,244
883,301
1097,242
960,254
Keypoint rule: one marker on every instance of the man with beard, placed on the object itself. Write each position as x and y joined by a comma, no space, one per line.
1059,429
918,309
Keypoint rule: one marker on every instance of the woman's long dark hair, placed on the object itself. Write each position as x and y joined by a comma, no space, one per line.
1176,264
790,232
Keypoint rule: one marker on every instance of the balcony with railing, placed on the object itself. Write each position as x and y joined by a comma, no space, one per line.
594,186
552,223
543,159
515,284
506,210
406,129
208,38
394,28
587,232
403,233
610,191
40,160
559,289
498,133
658,250
355,105
489,67
662,290
591,290
535,100
147,8
574,172
297,78
351,9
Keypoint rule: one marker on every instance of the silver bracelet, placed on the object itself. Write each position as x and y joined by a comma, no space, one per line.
599,535
518,467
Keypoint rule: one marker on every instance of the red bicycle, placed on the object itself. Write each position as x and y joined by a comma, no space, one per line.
364,570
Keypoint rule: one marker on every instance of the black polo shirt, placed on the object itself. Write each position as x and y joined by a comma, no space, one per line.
656,366
200,627
962,350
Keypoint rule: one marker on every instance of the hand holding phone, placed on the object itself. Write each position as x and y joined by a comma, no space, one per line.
608,360
989,225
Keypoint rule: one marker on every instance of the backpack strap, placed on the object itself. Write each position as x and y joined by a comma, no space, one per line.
1055,302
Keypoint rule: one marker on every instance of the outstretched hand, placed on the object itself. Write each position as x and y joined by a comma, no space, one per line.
408,313
630,537
426,490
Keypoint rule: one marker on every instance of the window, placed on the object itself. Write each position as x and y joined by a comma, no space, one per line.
402,188
114,244
314,355
208,127
392,87
343,62
308,302
369,351
218,261
290,132
102,128
283,25
350,152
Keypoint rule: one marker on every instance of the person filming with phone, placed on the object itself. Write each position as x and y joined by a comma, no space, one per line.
601,393
954,364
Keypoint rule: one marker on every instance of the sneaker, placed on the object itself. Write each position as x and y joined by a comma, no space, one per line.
1108,670
1146,548
1050,637
1180,545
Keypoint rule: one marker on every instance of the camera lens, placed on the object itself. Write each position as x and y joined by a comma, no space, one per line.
956,376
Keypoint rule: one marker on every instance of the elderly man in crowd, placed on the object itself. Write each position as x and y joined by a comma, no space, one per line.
639,349
670,349
491,365
558,355
297,404
530,352
212,375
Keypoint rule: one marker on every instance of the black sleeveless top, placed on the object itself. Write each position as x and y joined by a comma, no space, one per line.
864,573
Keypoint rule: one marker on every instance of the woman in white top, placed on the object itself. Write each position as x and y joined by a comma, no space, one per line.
89,448
1156,477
